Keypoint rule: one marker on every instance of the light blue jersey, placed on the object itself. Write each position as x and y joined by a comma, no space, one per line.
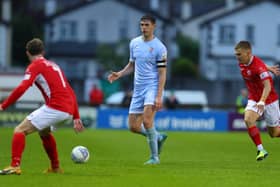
147,56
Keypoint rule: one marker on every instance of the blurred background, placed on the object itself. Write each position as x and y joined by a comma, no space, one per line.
89,38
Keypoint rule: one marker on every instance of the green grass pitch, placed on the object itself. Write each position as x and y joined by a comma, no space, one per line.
117,157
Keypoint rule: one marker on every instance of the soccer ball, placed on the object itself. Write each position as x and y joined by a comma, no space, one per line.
80,154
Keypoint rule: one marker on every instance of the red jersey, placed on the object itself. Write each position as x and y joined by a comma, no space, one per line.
254,74
52,83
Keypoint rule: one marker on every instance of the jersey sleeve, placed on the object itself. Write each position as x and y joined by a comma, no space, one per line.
161,58
29,77
162,54
263,72
76,114
131,56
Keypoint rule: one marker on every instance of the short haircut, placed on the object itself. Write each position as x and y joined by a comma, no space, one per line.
243,45
35,46
148,17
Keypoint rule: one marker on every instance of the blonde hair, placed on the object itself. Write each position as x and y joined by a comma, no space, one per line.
243,45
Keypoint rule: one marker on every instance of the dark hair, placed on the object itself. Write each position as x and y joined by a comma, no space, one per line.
243,45
148,17
35,46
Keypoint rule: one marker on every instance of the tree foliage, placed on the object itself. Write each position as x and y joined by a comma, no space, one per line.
187,62
26,24
188,48
23,30
113,57
184,67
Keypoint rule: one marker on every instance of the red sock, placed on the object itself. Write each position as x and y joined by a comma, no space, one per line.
18,144
255,135
49,144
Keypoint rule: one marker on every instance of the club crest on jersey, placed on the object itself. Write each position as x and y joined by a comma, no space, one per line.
151,49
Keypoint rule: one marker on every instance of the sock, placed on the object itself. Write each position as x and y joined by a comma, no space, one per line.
152,140
260,147
144,132
255,136
49,144
18,144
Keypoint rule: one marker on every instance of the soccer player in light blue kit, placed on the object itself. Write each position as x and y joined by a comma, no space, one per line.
148,59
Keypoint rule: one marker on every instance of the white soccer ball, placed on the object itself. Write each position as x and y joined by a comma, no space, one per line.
80,154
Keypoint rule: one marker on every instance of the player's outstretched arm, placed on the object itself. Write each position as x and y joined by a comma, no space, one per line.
1,109
113,76
125,71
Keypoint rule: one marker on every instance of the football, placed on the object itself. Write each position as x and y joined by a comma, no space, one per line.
80,154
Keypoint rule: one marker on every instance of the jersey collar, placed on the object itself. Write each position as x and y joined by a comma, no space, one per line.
251,60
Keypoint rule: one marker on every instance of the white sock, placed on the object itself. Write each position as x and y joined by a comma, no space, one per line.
260,147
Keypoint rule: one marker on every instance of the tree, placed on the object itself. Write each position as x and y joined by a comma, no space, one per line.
184,67
113,57
26,25
188,61
24,30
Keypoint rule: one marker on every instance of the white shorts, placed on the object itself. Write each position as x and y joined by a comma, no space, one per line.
271,112
45,117
142,97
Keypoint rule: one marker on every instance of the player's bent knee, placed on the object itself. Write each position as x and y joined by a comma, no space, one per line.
249,123
17,129
44,133
273,134
25,128
133,129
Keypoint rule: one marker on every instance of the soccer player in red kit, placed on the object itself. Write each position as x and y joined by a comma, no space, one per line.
60,105
262,97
